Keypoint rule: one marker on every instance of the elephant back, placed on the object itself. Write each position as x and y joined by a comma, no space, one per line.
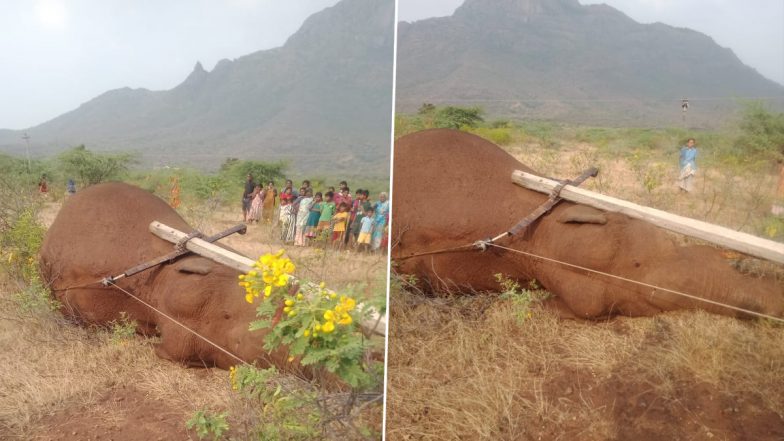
102,231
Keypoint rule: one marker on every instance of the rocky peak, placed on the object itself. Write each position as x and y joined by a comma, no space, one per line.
197,74
523,9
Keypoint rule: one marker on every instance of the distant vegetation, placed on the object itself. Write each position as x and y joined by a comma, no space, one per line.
740,179
87,167
757,136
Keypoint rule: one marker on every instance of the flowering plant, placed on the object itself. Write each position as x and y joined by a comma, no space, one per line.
318,325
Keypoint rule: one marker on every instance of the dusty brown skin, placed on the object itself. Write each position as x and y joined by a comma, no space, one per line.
102,231
452,188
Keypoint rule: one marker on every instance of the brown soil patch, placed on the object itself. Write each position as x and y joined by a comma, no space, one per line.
123,413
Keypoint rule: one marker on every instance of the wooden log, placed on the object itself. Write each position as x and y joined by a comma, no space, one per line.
725,237
375,324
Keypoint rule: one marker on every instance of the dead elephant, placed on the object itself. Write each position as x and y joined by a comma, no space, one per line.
452,188
102,231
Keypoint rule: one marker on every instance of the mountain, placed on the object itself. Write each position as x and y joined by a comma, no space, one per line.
560,60
321,101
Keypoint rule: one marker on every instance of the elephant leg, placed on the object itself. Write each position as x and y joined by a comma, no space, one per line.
590,296
179,345
102,306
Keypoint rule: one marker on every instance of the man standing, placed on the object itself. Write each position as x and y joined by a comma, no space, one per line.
688,165
246,198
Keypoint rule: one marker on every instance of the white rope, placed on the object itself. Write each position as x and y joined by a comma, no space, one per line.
180,324
713,302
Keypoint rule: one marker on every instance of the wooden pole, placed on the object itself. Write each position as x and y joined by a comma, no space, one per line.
375,324
734,240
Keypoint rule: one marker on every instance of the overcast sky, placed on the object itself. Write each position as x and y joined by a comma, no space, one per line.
753,29
57,54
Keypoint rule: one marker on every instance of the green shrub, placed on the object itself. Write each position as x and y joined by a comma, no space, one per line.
499,136
208,424
520,298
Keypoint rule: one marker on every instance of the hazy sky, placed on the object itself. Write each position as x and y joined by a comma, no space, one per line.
57,54
753,29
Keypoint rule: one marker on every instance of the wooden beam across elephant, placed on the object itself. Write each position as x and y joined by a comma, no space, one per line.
452,188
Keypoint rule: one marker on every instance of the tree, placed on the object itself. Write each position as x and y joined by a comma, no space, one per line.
262,172
762,131
91,168
456,117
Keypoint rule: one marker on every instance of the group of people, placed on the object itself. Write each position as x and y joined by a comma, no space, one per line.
305,216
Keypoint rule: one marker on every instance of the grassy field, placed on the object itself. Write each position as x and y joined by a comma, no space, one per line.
470,367
59,381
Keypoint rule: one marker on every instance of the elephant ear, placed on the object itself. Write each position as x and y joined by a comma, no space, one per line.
581,214
194,265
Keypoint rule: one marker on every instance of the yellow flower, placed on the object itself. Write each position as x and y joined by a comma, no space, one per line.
252,273
306,333
268,279
329,315
328,327
349,303
242,276
249,297
317,328
267,290
291,358
289,302
282,280
346,320
266,259
292,313
300,296
322,285
333,295
287,309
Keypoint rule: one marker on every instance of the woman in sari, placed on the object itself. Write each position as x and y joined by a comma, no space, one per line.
302,216
254,214
268,196
382,217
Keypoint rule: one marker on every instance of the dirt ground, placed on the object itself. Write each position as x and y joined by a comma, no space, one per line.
122,413
63,382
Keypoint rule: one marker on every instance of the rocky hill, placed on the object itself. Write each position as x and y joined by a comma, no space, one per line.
558,59
321,101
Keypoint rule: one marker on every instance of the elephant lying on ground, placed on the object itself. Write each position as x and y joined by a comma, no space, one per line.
103,231
452,188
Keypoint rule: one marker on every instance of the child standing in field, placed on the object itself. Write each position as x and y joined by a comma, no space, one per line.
339,222
365,230
303,214
314,214
327,211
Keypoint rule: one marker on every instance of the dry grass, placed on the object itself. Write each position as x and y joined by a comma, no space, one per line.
734,197
48,365
456,375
